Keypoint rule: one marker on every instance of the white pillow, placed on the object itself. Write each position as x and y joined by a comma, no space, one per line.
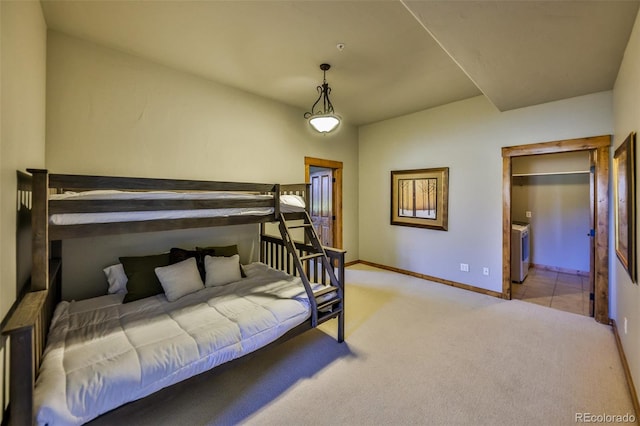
180,279
117,279
221,270
292,200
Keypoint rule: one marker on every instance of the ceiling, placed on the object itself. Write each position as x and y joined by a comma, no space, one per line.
399,57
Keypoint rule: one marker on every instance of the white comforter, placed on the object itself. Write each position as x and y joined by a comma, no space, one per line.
102,353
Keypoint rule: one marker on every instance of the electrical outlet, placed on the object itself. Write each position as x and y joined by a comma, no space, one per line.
464,267
527,213
485,271
625,325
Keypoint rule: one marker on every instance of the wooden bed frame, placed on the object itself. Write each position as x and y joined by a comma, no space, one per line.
29,319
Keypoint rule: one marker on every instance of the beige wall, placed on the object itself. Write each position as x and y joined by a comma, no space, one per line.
22,118
625,295
116,114
22,122
465,136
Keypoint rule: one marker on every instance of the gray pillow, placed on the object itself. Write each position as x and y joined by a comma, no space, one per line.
180,279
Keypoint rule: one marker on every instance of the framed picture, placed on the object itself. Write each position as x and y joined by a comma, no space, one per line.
625,204
420,198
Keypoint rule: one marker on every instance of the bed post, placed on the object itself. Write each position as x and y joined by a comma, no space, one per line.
337,257
307,197
39,218
276,201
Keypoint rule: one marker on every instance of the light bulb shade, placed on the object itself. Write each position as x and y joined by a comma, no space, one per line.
324,123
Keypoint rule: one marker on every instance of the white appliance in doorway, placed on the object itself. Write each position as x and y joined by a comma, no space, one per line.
520,249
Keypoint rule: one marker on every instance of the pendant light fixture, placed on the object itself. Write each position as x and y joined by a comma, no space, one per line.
323,120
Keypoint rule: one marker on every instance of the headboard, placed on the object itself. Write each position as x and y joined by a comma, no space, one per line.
28,320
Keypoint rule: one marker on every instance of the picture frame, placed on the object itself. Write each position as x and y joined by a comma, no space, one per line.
420,198
625,204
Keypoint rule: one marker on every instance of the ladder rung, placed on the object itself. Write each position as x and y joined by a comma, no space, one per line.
328,303
293,215
311,256
304,225
324,291
326,316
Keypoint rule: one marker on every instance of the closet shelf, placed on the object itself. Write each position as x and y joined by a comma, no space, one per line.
572,172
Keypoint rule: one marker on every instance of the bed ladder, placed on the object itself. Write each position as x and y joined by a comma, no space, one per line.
326,303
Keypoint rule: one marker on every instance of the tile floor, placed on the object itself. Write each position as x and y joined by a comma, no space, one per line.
558,290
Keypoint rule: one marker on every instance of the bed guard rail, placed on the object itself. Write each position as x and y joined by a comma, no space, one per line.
274,253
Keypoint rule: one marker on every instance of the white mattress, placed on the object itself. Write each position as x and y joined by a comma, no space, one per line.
288,203
102,353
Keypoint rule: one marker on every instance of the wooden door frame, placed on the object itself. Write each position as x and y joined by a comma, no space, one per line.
336,166
599,146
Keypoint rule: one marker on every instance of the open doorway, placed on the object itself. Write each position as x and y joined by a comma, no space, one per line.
598,149
325,178
550,238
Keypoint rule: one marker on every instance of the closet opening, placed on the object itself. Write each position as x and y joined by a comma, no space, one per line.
550,230
597,150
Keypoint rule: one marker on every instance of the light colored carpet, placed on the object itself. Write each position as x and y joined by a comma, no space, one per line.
416,353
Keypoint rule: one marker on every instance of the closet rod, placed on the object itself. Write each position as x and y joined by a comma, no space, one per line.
551,173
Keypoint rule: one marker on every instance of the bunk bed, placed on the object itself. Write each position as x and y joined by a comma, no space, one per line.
304,279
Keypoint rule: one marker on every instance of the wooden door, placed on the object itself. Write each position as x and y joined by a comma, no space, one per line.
322,205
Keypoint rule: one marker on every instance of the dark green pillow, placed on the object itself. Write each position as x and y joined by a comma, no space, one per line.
177,255
222,251
142,280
